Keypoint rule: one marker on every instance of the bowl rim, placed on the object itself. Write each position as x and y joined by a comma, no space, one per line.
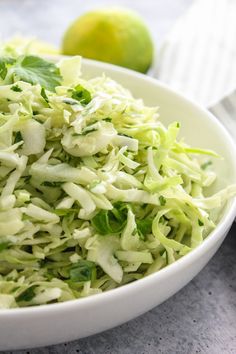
181,263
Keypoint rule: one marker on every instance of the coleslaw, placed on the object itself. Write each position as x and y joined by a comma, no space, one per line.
95,192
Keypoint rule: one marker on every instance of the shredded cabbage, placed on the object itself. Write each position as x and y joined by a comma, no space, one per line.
95,192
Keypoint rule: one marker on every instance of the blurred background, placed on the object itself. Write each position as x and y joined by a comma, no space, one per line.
194,40
48,19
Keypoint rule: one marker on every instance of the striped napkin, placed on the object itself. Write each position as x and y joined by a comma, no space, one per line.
198,57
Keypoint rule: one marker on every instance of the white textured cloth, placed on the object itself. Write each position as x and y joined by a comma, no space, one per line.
198,57
225,110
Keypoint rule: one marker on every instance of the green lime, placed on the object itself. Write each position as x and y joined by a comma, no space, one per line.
112,35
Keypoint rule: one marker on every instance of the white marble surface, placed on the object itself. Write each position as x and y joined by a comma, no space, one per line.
201,318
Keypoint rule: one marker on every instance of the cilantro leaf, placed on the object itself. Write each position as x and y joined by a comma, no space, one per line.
3,69
200,223
18,137
144,227
111,221
205,165
36,70
82,271
16,88
162,200
27,295
81,94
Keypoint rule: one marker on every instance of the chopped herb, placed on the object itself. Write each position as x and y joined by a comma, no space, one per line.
51,184
144,227
200,223
82,271
16,88
162,200
18,137
111,221
81,94
206,164
27,295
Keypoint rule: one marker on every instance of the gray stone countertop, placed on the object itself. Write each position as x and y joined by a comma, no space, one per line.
201,318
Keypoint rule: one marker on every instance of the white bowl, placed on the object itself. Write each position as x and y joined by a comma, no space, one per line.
51,324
